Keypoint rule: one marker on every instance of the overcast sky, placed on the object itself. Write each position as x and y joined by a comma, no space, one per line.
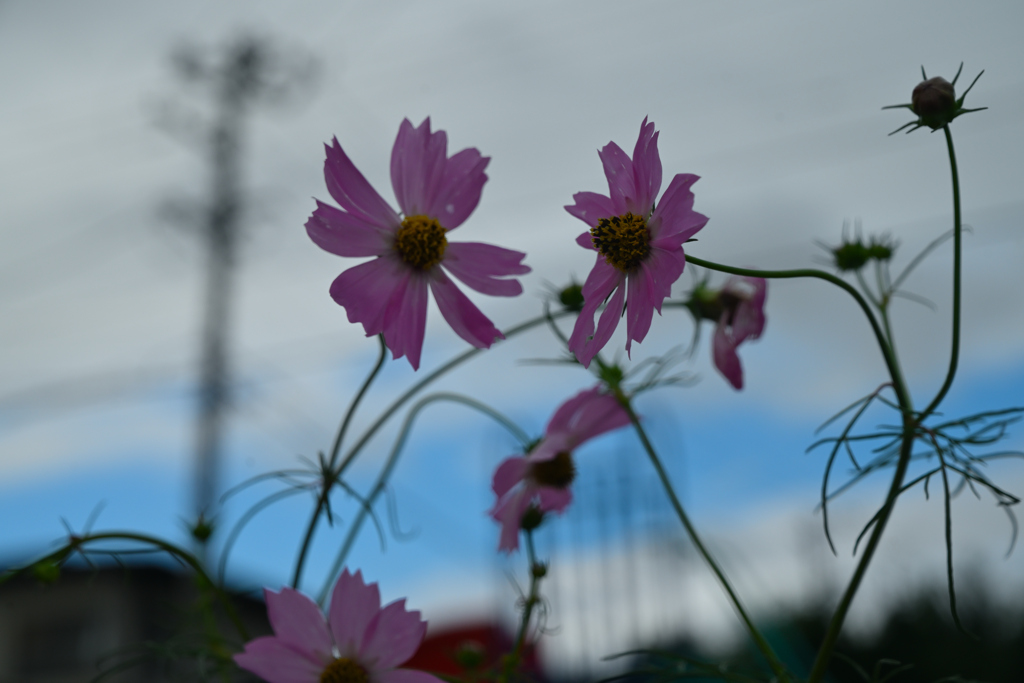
776,106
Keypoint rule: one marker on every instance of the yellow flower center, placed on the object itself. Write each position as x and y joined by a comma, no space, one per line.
624,240
344,670
421,242
558,472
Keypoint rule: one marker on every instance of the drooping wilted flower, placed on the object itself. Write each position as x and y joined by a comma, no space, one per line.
539,481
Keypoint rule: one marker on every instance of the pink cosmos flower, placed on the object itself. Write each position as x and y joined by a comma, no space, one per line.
360,642
542,477
742,317
435,193
639,243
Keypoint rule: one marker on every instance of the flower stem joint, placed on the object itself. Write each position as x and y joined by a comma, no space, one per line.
935,103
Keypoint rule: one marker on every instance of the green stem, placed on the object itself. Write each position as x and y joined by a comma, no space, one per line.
76,543
909,430
328,483
396,450
537,572
759,640
355,402
839,616
335,475
954,357
890,359
416,388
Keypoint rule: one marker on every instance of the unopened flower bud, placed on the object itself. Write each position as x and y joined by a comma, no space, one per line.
881,248
532,518
854,254
202,530
471,655
572,297
539,570
851,256
934,101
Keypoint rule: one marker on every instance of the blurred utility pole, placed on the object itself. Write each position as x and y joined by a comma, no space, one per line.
246,72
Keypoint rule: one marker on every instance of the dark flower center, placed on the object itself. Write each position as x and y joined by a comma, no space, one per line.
623,240
558,472
421,242
344,670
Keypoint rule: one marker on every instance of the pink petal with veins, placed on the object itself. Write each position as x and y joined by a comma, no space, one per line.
461,314
353,606
392,636
366,290
351,190
345,234
276,662
482,267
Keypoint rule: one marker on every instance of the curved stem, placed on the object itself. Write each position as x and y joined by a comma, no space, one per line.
416,388
328,483
909,428
954,356
335,475
396,450
759,640
76,543
883,344
355,402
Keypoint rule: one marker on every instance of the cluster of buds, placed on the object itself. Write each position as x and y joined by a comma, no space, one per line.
935,103
852,255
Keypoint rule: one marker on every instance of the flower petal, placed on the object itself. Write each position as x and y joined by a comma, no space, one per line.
465,318
345,234
405,676
418,161
646,169
601,414
481,265
584,416
590,207
674,216
275,662
724,352
354,604
567,414
509,473
554,500
640,303
297,622
586,240
618,169
405,320
601,282
365,290
509,511
392,637
664,268
352,191
748,321
461,185
607,324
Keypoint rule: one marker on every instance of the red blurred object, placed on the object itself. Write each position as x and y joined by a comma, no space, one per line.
472,652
